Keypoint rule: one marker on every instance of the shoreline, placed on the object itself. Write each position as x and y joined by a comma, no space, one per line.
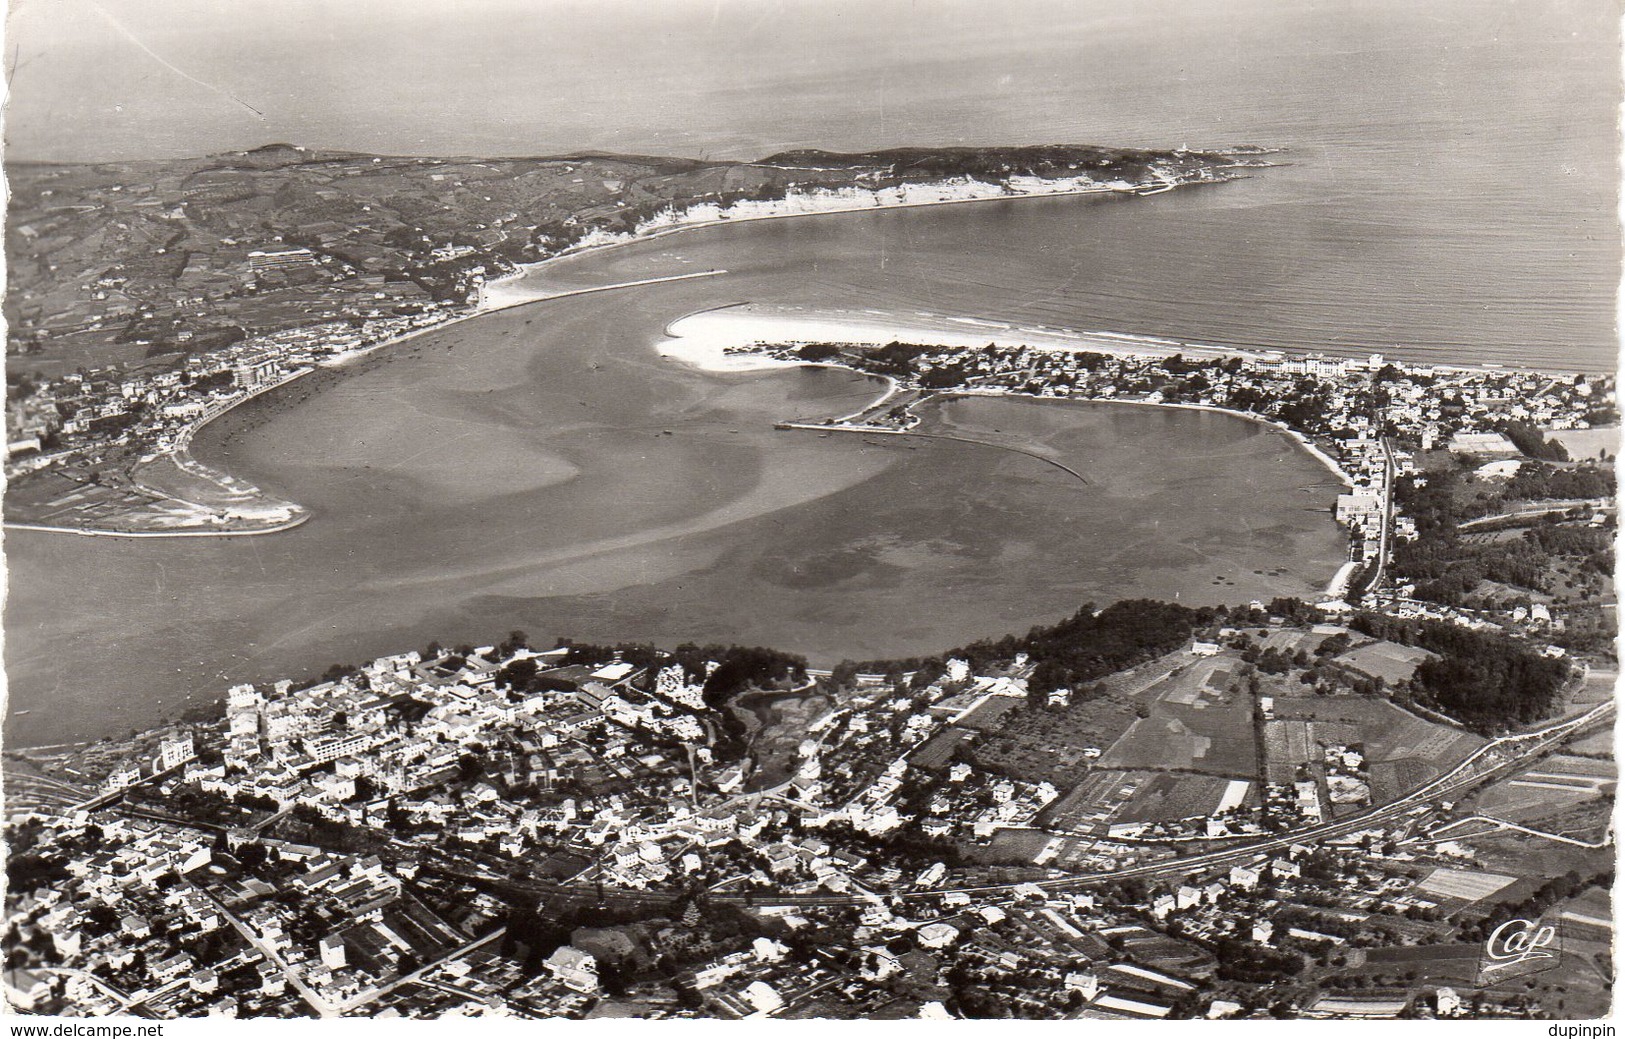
523,270
489,302
712,357
180,454
97,532
701,356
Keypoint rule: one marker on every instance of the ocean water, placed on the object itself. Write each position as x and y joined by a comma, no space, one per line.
1455,161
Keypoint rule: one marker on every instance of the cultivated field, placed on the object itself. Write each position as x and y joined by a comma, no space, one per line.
1401,749
1549,786
1388,661
1200,719
1462,885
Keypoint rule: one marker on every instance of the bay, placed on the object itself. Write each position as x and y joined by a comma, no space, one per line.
544,468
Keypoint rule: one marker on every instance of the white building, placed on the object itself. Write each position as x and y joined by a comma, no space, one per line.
176,752
573,968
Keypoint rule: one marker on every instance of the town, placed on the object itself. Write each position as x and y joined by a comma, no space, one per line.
1237,816
1334,808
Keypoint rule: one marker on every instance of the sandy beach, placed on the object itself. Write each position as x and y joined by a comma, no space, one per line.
704,339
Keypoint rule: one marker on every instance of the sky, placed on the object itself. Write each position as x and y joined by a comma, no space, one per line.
154,78
131,79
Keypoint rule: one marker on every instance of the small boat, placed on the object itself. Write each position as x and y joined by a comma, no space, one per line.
19,714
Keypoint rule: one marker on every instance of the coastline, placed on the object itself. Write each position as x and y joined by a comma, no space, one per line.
180,454
490,301
711,356
94,532
773,331
711,353
657,231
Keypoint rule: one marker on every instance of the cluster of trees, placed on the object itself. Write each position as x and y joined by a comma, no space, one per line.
1533,442
896,358
1539,482
741,668
1484,679
1549,894
816,352
1074,652
1257,964
1447,569
1091,644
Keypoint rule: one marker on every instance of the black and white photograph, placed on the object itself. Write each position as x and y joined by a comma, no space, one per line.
864,510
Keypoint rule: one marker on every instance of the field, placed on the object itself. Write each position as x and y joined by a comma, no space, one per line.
1598,686
1509,851
1290,640
1388,661
1462,885
1286,746
1598,744
1199,720
938,751
1091,806
1402,750
1587,443
1551,785
1111,796
1054,744
1164,796
1457,962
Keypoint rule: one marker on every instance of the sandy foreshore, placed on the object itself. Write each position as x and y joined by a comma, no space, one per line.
705,339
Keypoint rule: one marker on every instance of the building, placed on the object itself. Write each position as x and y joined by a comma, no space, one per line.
763,997
1085,982
1363,507
573,968
937,935
253,371
176,752
331,748
262,261
332,950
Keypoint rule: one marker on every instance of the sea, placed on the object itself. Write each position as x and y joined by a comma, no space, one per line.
1446,194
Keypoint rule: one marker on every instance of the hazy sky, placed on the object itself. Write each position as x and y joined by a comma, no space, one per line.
157,78
105,78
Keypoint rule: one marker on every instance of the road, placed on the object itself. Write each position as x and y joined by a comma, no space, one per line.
363,998
317,1003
